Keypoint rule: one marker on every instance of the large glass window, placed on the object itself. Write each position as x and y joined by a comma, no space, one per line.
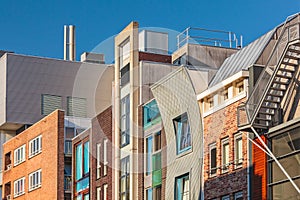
125,121
151,114
78,161
183,135
124,179
149,146
86,158
286,148
212,159
182,187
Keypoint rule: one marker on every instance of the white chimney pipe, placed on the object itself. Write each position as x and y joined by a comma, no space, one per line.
69,42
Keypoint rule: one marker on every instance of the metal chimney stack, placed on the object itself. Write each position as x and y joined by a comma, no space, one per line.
69,42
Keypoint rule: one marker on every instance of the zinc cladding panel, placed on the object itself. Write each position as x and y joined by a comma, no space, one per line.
76,107
50,103
241,60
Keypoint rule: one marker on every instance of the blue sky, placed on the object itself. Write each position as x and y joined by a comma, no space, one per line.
36,27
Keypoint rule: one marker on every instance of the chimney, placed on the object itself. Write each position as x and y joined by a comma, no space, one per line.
69,42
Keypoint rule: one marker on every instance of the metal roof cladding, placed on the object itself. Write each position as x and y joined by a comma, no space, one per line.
241,60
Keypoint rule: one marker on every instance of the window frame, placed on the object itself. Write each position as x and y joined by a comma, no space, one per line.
183,118
37,185
98,161
98,193
39,150
126,116
238,162
211,147
19,193
238,195
105,156
18,162
125,176
225,166
182,177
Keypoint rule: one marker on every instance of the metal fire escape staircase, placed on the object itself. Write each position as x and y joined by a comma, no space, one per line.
271,91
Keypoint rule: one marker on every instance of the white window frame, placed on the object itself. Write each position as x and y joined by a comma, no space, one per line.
105,156
98,193
39,146
211,147
98,161
33,181
22,151
238,162
225,197
225,166
18,192
105,186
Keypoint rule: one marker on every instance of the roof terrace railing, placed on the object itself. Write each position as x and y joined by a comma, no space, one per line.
209,37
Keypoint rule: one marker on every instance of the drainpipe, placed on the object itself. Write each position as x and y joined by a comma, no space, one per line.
249,164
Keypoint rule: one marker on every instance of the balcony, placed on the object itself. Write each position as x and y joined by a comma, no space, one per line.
68,183
68,147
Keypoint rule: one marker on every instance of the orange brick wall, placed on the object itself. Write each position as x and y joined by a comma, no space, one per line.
50,160
218,125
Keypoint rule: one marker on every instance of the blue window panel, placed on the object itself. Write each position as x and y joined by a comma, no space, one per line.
78,168
86,197
86,158
83,184
79,197
151,114
149,154
149,194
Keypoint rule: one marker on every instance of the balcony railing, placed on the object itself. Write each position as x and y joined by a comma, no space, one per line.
68,147
68,183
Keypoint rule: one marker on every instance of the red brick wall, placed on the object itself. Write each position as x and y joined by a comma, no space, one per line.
155,57
101,129
217,126
50,160
259,183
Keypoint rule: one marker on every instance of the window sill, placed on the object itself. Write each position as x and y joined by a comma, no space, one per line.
18,163
184,152
34,154
35,188
18,195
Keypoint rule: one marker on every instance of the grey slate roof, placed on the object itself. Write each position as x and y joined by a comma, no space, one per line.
241,60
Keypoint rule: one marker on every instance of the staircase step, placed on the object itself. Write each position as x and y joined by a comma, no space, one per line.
275,95
288,63
258,125
283,76
282,83
286,70
262,119
269,107
294,50
265,113
272,101
277,89
291,57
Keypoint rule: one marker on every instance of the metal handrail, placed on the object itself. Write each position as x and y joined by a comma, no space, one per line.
255,93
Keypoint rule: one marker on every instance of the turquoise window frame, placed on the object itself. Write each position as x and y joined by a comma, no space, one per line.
179,186
78,161
151,114
149,141
86,158
179,123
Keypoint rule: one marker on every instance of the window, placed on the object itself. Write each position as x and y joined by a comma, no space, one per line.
183,135
149,194
238,196
76,107
82,160
225,155
19,187
149,146
224,95
98,193
35,180
210,102
7,161
78,161
35,146
157,192
151,114
157,141
156,169
125,120
182,187
238,150
240,86
98,160
226,197
105,161
19,155
105,191
50,103
212,159
86,158
125,75
124,179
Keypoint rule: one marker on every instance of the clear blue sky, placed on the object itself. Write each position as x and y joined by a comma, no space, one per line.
36,27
